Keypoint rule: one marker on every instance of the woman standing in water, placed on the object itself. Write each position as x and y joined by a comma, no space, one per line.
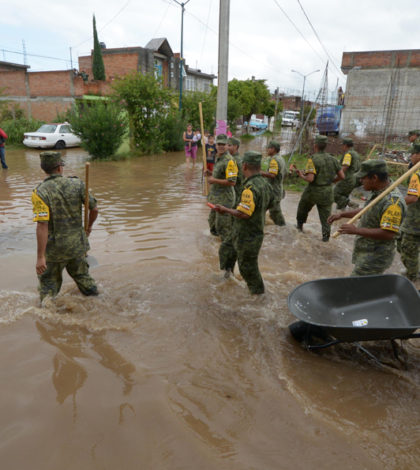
190,145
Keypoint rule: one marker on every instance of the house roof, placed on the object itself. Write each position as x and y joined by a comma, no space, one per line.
199,73
160,45
11,65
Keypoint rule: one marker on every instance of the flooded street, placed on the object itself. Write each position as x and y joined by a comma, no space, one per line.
171,366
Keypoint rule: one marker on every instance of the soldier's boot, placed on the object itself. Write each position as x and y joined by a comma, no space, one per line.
228,273
299,226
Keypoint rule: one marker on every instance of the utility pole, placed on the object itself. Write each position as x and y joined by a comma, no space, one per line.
181,59
71,59
222,79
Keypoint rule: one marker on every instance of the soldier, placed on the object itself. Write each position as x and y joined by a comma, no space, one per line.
320,172
61,241
413,135
374,246
350,164
408,245
275,174
222,182
233,148
248,226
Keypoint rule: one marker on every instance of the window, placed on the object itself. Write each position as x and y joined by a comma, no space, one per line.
48,128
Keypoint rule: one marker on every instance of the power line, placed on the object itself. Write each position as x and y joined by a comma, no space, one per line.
35,55
317,36
103,27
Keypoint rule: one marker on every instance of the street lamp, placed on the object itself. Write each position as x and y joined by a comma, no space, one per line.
303,91
181,59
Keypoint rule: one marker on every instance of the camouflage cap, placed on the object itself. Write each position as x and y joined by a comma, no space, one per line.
414,132
221,139
51,160
415,146
321,139
254,158
234,141
371,166
275,145
347,141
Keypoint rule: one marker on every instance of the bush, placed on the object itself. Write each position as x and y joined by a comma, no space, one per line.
101,125
16,128
172,129
149,106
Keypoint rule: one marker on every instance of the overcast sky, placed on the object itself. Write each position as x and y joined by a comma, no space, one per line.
268,38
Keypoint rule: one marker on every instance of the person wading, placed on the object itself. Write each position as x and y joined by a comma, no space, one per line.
61,240
320,172
247,235
275,176
350,164
374,246
222,183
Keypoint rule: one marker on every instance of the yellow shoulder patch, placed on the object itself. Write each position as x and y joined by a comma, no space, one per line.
310,167
231,170
274,167
247,204
391,218
40,210
414,186
347,159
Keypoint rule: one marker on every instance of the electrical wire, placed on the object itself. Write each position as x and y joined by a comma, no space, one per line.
106,24
317,36
35,55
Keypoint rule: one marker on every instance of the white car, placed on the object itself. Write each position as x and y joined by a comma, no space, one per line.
57,136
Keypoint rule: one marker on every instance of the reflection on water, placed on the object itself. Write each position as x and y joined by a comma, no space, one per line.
172,366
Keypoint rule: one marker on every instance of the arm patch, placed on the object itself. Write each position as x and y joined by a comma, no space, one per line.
274,167
347,159
310,167
231,170
414,186
40,210
391,218
247,204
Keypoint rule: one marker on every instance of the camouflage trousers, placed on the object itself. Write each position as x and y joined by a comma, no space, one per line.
246,253
342,191
51,279
322,198
220,224
408,247
372,261
275,212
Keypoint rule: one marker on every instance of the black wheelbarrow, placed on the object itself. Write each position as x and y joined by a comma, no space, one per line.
353,309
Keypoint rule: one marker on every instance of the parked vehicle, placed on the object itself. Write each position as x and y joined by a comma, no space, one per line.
328,120
57,136
290,118
257,124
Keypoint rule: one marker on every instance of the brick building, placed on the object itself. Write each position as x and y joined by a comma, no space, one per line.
42,95
383,92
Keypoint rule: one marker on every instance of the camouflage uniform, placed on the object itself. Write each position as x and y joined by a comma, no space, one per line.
320,192
375,256
408,244
248,234
221,224
239,179
344,187
58,201
277,166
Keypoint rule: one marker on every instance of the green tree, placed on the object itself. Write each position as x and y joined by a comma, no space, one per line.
190,110
248,97
101,125
149,106
98,67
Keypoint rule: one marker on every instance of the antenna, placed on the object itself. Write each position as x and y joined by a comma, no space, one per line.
25,58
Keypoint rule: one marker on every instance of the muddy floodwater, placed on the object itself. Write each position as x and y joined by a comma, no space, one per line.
173,367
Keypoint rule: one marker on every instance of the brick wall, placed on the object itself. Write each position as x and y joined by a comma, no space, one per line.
47,109
380,59
56,83
13,82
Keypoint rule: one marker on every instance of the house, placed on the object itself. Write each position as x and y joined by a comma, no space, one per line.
42,95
